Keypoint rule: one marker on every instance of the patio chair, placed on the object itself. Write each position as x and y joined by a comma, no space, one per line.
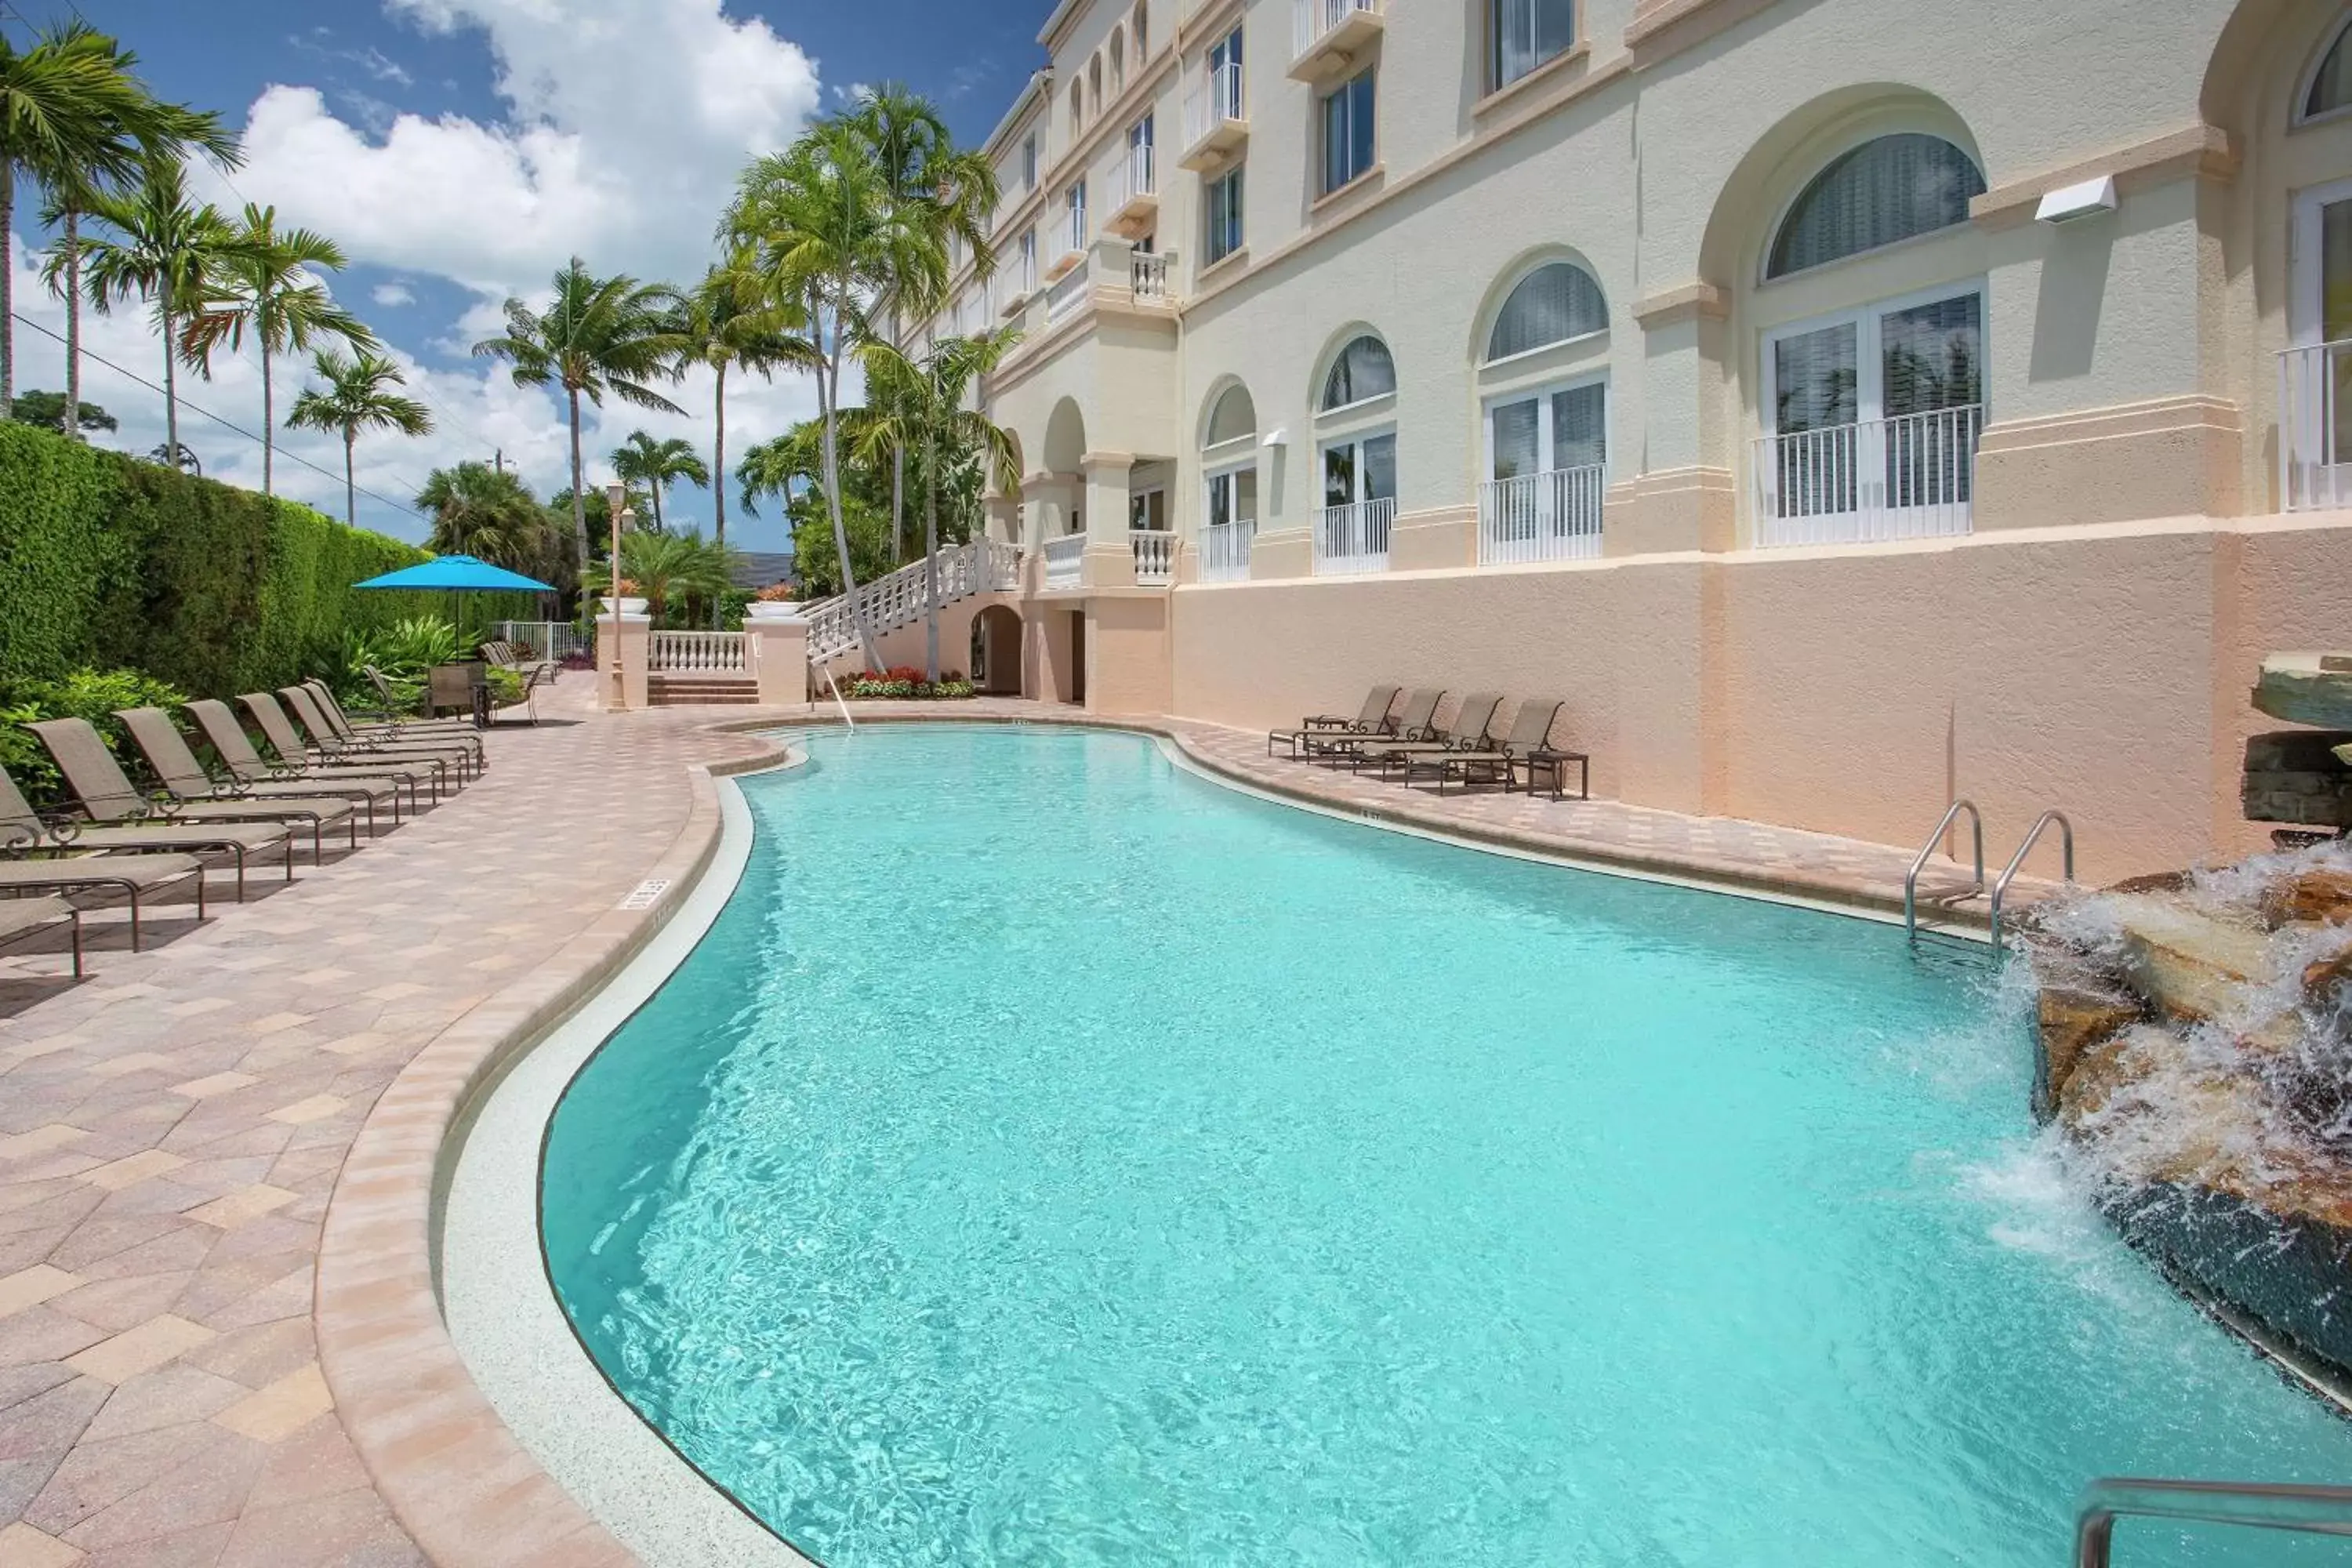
462,736
175,763
294,752
106,795
24,917
1471,722
1371,719
236,753
26,833
1412,724
534,673
348,745
1492,762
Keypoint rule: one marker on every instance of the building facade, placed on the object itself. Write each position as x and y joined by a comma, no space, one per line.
1841,403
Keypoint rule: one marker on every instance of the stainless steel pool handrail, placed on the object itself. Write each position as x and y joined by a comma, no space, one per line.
2309,1511
1911,879
837,701
2009,872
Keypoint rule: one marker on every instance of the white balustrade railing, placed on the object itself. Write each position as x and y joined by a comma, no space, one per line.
1074,230
697,653
2314,416
546,639
1064,559
1155,556
1552,516
1020,282
1354,538
1225,550
1132,177
1912,476
984,565
1212,101
1068,297
1147,276
1311,21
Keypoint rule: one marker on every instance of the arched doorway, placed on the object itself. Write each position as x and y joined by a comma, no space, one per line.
996,651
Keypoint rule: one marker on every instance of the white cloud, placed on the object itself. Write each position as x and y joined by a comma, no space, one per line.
393,295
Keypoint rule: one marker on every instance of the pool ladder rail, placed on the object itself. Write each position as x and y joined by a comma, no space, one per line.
2306,1510
1950,943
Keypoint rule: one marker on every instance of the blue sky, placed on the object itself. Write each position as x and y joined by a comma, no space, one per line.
461,149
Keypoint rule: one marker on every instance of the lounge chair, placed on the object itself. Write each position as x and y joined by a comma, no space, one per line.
1531,727
25,832
389,719
106,795
171,759
1471,722
1412,724
315,707
294,751
1371,719
245,765
23,917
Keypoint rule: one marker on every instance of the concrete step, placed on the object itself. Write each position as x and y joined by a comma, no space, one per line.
678,690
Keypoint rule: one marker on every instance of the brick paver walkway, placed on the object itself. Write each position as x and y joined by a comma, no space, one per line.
170,1131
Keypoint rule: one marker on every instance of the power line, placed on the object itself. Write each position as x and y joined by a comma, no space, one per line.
239,429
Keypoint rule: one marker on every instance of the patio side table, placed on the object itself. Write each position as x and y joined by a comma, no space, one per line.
1545,762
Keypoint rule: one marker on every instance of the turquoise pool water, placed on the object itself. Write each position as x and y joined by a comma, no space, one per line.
1050,1157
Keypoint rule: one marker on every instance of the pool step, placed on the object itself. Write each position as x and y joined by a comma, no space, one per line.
680,690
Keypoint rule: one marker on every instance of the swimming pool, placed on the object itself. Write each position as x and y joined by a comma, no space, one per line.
1050,1156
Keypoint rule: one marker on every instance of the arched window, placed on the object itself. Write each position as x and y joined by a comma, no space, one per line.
1556,301
1233,418
1883,191
1118,61
1077,106
2331,84
1142,30
1093,80
1362,370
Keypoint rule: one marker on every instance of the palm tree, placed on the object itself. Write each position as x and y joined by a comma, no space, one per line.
654,464
599,335
179,456
266,279
664,566
358,396
923,408
163,249
71,180
824,238
484,513
725,323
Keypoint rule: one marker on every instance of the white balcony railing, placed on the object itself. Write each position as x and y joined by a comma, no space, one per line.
1353,537
1068,295
1133,179
1147,277
1312,21
2316,426
1212,102
1074,230
1064,557
1225,550
1912,476
698,652
1155,556
1552,516
1020,282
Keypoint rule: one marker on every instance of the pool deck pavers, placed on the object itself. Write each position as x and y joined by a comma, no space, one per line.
174,1376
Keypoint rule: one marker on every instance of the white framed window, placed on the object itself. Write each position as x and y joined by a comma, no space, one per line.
1229,492
1076,204
1148,510
1360,491
2329,90
1547,471
1873,417
1029,162
1524,34
1555,303
1226,51
2315,413
1359,467
1223,208
1348,120
1889,189
1362,372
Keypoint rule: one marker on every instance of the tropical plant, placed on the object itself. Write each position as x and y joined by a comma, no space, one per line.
672,567
163,249
643,460
176,455
725,323
599,335
790,467
48,408
265,280
402,653
94,695
358,396
487,513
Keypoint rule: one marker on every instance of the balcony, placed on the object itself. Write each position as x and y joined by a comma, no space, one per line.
2316,427
1020,282
1353,537
1068,297
1147,277
1225,550
1155,556
1134,193
1073,232
1215,123
1550,516
1329,35
1911,477
1065,560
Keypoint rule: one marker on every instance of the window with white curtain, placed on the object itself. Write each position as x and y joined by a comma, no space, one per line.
2331,84
1556,301
1363,371
1881,192
1524,34
1547,430
1233,418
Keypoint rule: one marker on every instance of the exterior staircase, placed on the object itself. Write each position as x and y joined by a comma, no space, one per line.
903,597
666,688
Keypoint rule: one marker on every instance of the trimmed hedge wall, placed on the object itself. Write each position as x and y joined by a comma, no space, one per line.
109,562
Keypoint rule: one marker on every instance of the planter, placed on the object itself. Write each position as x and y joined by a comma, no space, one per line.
628,607
771,610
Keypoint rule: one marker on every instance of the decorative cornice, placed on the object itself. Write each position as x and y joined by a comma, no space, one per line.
1688,303
1663,27
2193,152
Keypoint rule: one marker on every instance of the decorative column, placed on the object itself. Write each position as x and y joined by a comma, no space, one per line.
1685,499
621,669
1110,559
776,648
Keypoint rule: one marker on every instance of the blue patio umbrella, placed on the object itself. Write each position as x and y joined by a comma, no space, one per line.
458,575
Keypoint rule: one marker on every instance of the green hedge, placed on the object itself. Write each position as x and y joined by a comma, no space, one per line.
107,563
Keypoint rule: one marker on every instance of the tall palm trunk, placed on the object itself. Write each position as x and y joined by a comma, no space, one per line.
898,468
828,390
351,488
8,295
268,417
657,489
579,499
931,558
171,389
719,457
73,324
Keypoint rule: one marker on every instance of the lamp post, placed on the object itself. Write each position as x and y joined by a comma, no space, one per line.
616,496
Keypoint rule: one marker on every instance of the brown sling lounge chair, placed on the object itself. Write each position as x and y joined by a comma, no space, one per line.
1469,728
389,717
23,917
108,796
25,832
171,759
244,764
462,733
1412,724
1492,762
1371,719
341,740
297,752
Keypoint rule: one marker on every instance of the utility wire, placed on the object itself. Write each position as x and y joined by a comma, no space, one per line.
198,409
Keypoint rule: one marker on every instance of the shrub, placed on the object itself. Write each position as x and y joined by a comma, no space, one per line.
905,682
91,694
